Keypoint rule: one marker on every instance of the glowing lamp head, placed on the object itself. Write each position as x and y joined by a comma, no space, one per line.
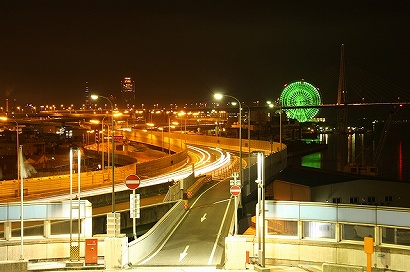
93,121
94,97
218,96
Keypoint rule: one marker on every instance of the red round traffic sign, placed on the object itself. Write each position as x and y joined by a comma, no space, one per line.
132,181
235,190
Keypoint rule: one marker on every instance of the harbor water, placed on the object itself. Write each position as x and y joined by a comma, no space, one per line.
390,156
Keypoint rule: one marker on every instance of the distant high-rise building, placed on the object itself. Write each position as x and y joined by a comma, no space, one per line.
87,98
128,92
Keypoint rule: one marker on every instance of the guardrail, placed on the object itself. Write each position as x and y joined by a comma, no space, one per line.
45,218
40,187
334,233
355,221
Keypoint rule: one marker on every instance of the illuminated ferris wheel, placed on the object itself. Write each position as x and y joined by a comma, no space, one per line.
300,93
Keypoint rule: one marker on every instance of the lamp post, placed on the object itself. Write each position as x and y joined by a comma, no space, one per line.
102,143
169,134
94,97
249,143
100,139
150,125
219,96
20,159
182,114
19,153
162,138
20,174
3,118
280,122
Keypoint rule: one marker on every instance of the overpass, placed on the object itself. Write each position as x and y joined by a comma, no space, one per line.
39,187
296,231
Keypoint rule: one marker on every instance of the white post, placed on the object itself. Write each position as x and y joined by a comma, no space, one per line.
169,135
162,140
280,129
236,215
240,141
108,147
71,200
78,193
21,202
102,146
134,222
261,209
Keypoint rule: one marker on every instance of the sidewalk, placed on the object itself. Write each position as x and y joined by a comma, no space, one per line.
61,266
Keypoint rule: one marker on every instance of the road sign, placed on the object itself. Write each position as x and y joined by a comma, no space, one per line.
235,190
132,181
235,180
135,206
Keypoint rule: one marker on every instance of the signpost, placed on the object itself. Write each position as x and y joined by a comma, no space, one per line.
133,182
235,180
235,191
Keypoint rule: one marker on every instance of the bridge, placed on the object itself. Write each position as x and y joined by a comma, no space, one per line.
37,188
294,228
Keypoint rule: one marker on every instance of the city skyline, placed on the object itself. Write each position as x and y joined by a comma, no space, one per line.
182,53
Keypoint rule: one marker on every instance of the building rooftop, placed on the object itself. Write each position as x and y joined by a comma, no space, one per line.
316,177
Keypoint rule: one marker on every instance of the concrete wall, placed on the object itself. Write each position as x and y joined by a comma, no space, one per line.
40,248
13,266
45,249
282,190
282,251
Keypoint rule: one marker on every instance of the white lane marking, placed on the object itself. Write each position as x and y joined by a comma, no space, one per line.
183,254
219,234
203,217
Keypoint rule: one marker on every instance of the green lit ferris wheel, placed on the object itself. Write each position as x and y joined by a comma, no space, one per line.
300,93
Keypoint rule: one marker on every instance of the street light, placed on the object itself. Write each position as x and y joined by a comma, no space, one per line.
19,177
219,96
95,97
102,145
280,122
150,125
162,138
5,119
249,143
182,114
101,139
169,133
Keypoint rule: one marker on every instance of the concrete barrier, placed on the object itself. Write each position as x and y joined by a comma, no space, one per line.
147,243
13,266
341,268
194,188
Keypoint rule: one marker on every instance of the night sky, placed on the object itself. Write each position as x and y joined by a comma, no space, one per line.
182,51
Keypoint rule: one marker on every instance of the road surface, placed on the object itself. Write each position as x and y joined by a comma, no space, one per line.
199,238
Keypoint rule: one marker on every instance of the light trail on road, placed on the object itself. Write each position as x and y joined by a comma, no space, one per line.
202,167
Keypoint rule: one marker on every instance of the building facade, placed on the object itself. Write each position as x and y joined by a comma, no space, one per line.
127,93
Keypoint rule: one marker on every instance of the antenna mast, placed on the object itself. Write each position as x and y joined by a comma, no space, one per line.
342,94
